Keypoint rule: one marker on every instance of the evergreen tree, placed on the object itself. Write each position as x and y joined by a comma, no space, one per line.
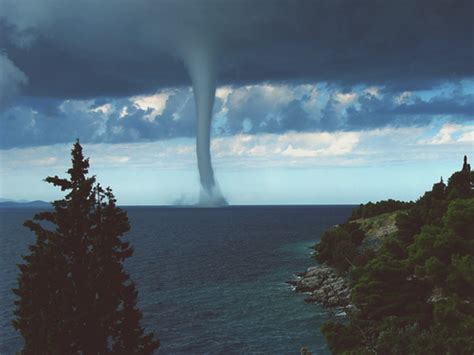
73,293
461,183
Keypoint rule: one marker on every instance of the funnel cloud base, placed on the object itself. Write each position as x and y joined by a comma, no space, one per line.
212,198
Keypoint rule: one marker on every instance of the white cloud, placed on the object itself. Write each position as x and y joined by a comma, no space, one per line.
274,96
281,94
345,99
451,134
48,161
223,92
123,112
73,106
156,103
403,98
400,132
117,159
295,145
293,149
444,135
373,91
467,137
105,109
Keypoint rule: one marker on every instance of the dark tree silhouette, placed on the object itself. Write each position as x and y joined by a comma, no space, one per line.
461,183
74,295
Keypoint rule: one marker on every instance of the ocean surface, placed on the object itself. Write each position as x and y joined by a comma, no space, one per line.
210,280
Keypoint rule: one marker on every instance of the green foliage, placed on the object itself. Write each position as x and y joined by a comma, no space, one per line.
338,246
371,209
385,289
340,337
459,218
416,294
73,295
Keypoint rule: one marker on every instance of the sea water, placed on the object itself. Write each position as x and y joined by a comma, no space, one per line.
210,280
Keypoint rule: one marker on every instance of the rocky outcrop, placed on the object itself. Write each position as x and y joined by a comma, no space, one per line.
323,285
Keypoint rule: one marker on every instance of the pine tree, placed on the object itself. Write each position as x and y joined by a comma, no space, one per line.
73,293
461,183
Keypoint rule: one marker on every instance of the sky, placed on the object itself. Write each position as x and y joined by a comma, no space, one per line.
317,102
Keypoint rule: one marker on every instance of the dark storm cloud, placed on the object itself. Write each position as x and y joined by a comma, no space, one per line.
373,112
86,49
366,112
11,80
35,122
248,110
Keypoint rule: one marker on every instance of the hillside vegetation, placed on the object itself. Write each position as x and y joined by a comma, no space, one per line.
411,271
375,209
352,243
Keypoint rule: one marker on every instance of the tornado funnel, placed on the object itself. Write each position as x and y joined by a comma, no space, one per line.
202,70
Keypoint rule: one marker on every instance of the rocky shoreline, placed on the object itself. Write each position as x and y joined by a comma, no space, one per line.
324,286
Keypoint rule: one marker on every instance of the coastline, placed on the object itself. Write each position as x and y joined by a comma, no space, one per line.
323,286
